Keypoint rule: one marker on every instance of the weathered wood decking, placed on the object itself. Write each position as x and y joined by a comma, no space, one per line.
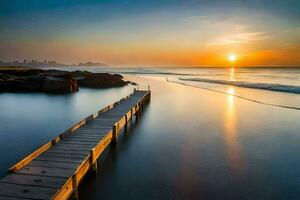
55,170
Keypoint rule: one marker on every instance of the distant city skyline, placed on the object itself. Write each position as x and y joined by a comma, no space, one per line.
171,33
44,63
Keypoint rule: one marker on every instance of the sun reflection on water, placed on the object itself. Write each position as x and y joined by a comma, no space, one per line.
230,97
231,75
230,129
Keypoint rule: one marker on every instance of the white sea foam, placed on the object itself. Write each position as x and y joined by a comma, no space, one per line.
264,86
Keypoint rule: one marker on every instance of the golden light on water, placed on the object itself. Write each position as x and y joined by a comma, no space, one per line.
230,130
230,97
231,91
231,74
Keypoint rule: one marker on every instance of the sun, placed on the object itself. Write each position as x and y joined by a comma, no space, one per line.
232,57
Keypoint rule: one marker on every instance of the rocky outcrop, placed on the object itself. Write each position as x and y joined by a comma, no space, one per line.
17,84
98,80
58,85
55,81
33,81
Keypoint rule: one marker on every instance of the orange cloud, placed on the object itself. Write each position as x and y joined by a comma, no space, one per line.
240,38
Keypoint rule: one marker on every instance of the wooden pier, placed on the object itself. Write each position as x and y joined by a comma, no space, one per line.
55,170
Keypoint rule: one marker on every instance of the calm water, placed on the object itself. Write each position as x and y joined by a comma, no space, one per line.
30,120
200,142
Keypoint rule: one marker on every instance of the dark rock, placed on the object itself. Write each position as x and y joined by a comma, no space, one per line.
37,81
98,80
17,84
56,81
132,83
59,85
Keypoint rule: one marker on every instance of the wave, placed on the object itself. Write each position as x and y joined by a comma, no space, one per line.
263,86
156,73
238,96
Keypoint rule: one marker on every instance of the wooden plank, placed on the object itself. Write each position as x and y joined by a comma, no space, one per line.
72,148
83,139
46,171
78,125
111,114
67,144
57,159
105,119
96,128
92,136
94,131
52,164
102,127
55,150
102,146
122,122
62,155
33,180
33,192
80,142
86,143
88,137
65,192
30,157
82,170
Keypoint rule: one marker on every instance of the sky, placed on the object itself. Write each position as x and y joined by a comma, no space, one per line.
160,33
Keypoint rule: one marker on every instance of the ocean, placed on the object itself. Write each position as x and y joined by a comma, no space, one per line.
247,82
207,133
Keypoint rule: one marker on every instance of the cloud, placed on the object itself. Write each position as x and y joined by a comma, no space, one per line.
291,30
239,38
198,19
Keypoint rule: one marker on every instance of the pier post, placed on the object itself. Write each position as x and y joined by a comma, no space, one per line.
94,165
53,142
136,113
115,134
140,108
126,122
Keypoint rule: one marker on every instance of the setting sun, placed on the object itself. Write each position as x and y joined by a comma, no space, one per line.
232,57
